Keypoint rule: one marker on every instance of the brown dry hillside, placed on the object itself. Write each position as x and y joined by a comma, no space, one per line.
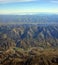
6,42
33,56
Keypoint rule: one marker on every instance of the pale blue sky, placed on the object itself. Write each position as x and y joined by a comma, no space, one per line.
28,6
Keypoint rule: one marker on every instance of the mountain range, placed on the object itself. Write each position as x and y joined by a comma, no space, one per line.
29,19
30,35
29,39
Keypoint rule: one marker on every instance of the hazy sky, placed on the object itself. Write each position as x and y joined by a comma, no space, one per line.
28,6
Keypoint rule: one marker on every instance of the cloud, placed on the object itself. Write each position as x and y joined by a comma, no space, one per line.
54,1
8,1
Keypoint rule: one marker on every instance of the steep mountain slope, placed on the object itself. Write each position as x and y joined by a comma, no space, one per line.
6,43
26,36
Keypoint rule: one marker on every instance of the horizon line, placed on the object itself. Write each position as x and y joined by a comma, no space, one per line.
33,13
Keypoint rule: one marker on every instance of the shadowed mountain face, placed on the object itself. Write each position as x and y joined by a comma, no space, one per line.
26,36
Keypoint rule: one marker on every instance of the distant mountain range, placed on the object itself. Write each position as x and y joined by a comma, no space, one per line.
29,19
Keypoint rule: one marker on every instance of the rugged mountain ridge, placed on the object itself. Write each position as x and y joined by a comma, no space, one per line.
26,36
29,44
